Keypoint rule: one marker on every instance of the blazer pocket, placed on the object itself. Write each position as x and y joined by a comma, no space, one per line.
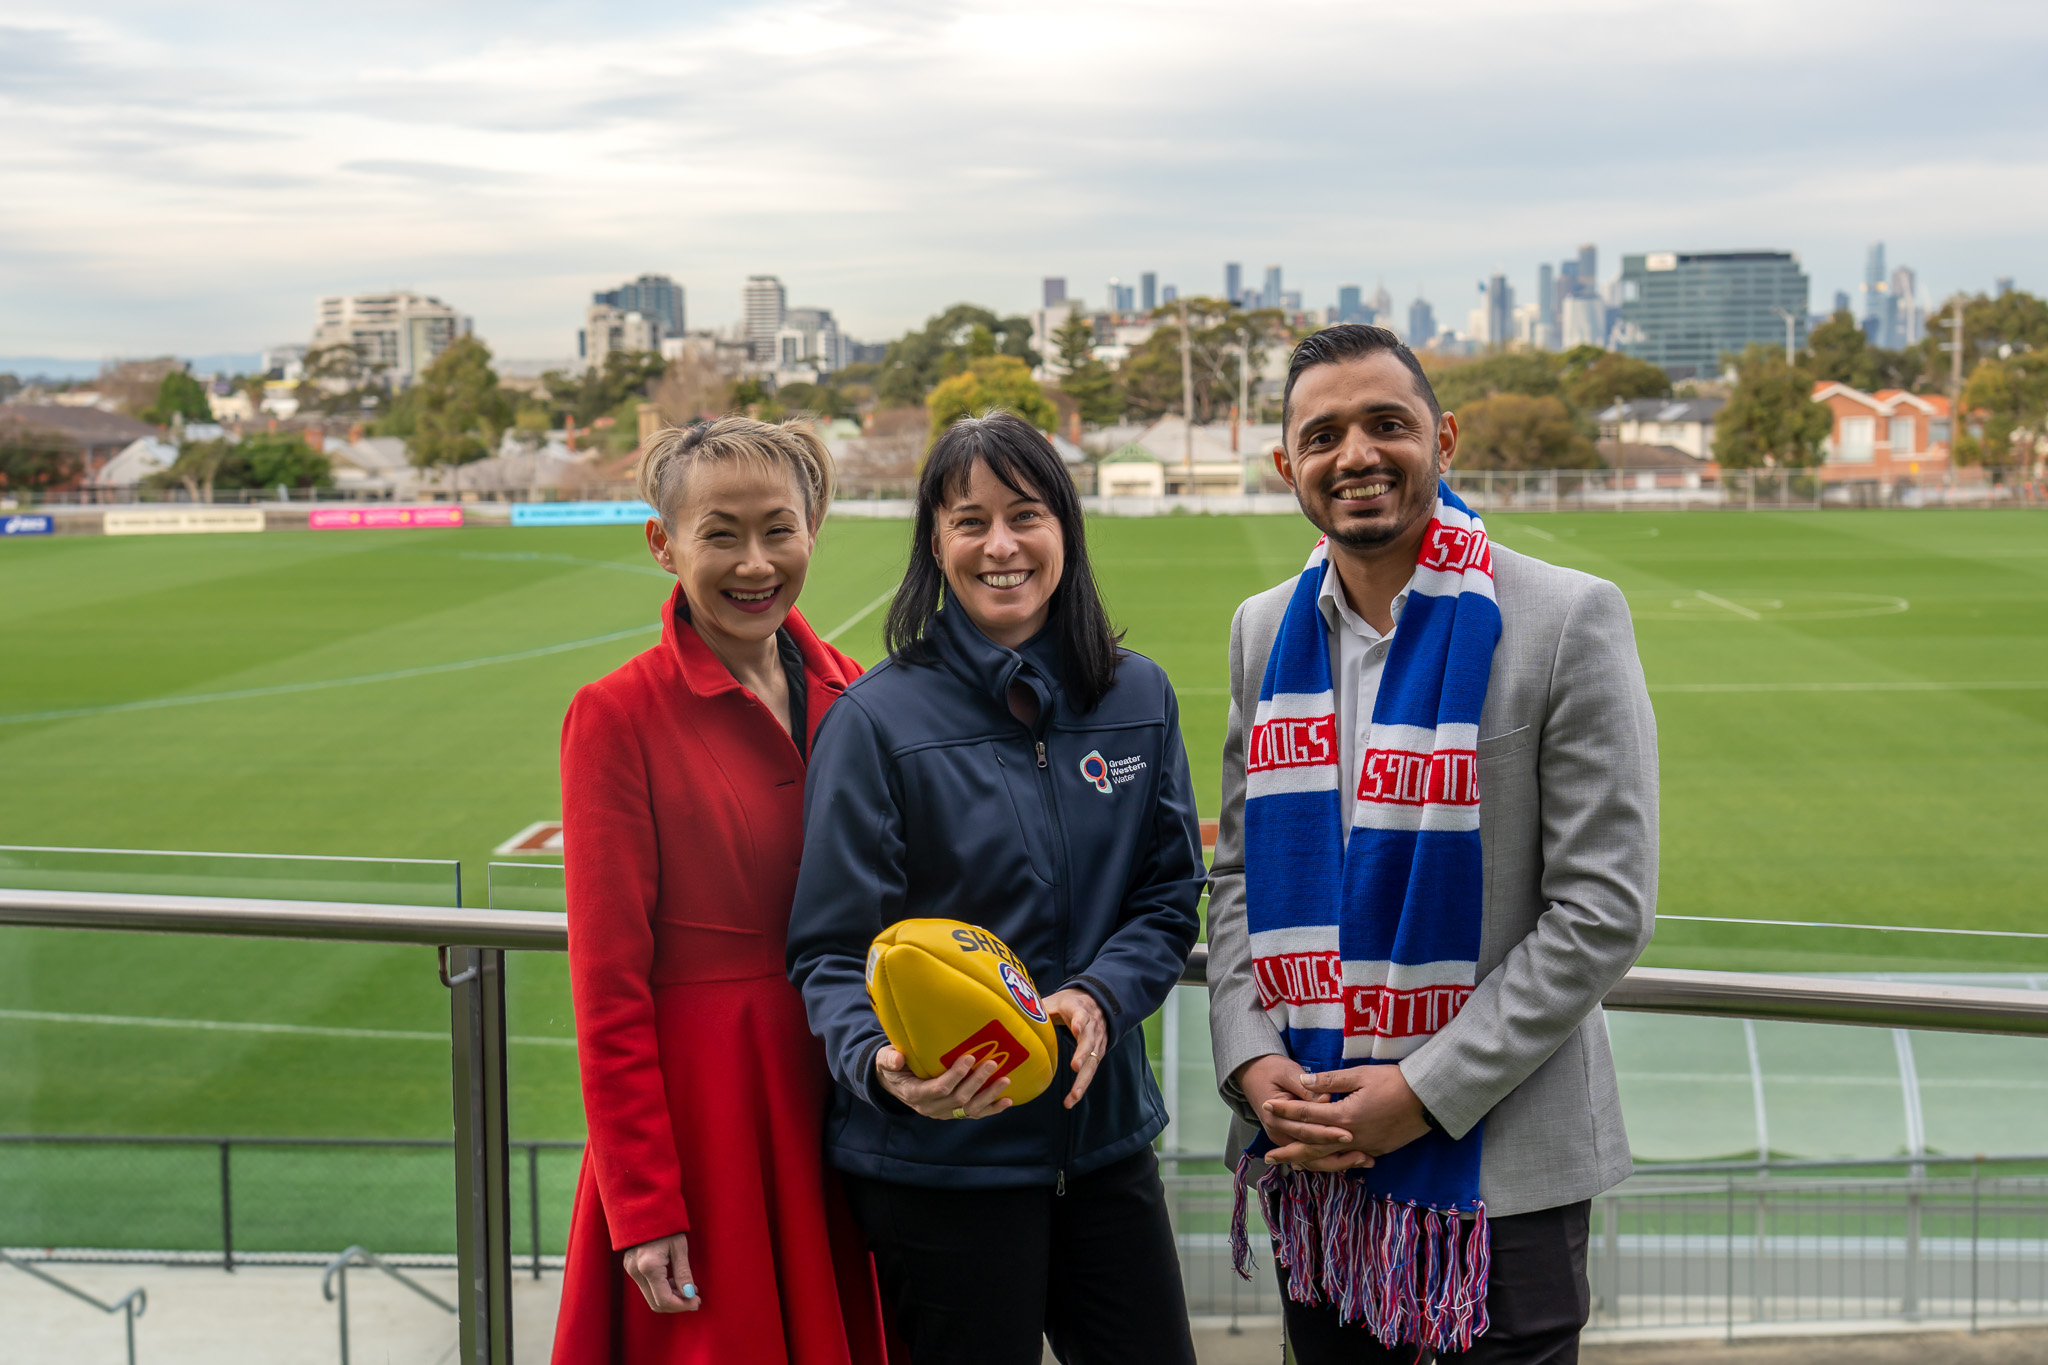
1495,746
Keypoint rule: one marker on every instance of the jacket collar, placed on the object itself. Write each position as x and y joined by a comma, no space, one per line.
990,668
705,674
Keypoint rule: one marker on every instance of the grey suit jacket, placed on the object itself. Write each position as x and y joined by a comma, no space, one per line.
1568,832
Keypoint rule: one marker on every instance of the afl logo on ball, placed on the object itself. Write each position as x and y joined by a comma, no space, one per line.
1021,991
1096,769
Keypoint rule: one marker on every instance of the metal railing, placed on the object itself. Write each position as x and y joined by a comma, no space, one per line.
131,1305
334,1286
473,969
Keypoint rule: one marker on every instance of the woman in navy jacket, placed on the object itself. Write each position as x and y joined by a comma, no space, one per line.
1009,766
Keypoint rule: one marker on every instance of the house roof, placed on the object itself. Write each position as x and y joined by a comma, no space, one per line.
1131,454
1884,402
1664,410
88,426
142,457
1647,457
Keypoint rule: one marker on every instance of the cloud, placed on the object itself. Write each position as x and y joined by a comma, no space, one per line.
891,157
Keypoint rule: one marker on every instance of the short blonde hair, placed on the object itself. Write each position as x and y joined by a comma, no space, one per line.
791,447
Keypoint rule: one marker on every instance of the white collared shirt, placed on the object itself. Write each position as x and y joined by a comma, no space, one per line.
1358,657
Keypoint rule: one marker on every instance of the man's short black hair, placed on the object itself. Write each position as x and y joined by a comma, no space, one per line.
1351,341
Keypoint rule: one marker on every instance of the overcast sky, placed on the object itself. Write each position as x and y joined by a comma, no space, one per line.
190,177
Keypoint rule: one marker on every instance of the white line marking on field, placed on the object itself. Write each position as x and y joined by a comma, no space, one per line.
1535,531
1706,596
850,622
1881,1082
283,689
390,1035
2020,685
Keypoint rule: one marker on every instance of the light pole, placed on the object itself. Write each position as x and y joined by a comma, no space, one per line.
1791,322
1187,402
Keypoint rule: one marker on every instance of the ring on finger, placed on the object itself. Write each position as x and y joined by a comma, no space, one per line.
959,1113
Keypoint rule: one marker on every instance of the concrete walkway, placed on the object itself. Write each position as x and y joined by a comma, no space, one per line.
260,1315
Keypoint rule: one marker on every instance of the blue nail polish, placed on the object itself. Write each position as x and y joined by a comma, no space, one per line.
689,1291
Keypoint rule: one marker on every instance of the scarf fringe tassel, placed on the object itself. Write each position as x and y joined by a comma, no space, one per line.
1406,1272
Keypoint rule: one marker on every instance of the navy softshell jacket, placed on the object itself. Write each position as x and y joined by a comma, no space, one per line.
1073,840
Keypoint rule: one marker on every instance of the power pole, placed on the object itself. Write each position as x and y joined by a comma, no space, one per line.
1242,411
1187,401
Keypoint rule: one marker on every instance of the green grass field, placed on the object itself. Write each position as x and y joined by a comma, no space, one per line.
1853,711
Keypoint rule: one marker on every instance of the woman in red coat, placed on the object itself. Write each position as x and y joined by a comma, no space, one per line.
706,1227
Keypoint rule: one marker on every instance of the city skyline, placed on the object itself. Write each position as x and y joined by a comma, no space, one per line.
195,184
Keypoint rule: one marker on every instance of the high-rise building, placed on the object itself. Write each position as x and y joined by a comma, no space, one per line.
1421,323
1589,269
2003,285
398,334
1170,294
1382,305
1909,320
1233,283
1842,301
1879,316
1498,309
657,298
1582,321
1351,305
1123,298
809,338
764,303
1055,290
1269,295
1546,332
1148,291
1685,310
607,328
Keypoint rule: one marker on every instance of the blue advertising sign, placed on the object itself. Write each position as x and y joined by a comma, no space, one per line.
27,524
579,513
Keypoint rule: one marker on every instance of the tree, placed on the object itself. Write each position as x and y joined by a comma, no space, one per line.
997,381
198,467
178,394
461,410
338,380
1770,417
273,459
601,391
1592,378
1536,374
2012,396
1516,431
35,460
1837,351
1090,383
944,346
1150,377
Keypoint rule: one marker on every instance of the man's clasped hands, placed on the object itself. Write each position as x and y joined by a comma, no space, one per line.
1330,1120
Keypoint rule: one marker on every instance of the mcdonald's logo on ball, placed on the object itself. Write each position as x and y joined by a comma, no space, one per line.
943,989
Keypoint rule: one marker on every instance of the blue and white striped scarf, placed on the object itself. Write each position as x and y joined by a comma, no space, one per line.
1363,950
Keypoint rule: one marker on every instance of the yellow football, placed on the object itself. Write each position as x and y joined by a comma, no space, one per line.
943,988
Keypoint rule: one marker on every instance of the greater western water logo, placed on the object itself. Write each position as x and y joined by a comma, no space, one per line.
1107,774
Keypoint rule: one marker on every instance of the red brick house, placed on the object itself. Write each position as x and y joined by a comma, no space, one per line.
1884,437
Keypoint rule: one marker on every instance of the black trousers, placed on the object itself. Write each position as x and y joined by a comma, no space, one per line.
985,1277
1537,1299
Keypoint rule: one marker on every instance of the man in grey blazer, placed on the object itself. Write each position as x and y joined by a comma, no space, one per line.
1567,762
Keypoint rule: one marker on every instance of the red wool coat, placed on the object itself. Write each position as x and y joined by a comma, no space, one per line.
682,807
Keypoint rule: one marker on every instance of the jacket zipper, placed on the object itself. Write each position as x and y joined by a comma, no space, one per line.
1058,829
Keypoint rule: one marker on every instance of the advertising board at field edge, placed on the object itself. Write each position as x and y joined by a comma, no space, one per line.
580,513
27,524
381,518
176,521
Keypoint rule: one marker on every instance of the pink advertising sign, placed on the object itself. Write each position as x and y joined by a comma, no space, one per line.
376,517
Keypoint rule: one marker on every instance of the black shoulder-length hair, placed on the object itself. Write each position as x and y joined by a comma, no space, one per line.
1014,451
